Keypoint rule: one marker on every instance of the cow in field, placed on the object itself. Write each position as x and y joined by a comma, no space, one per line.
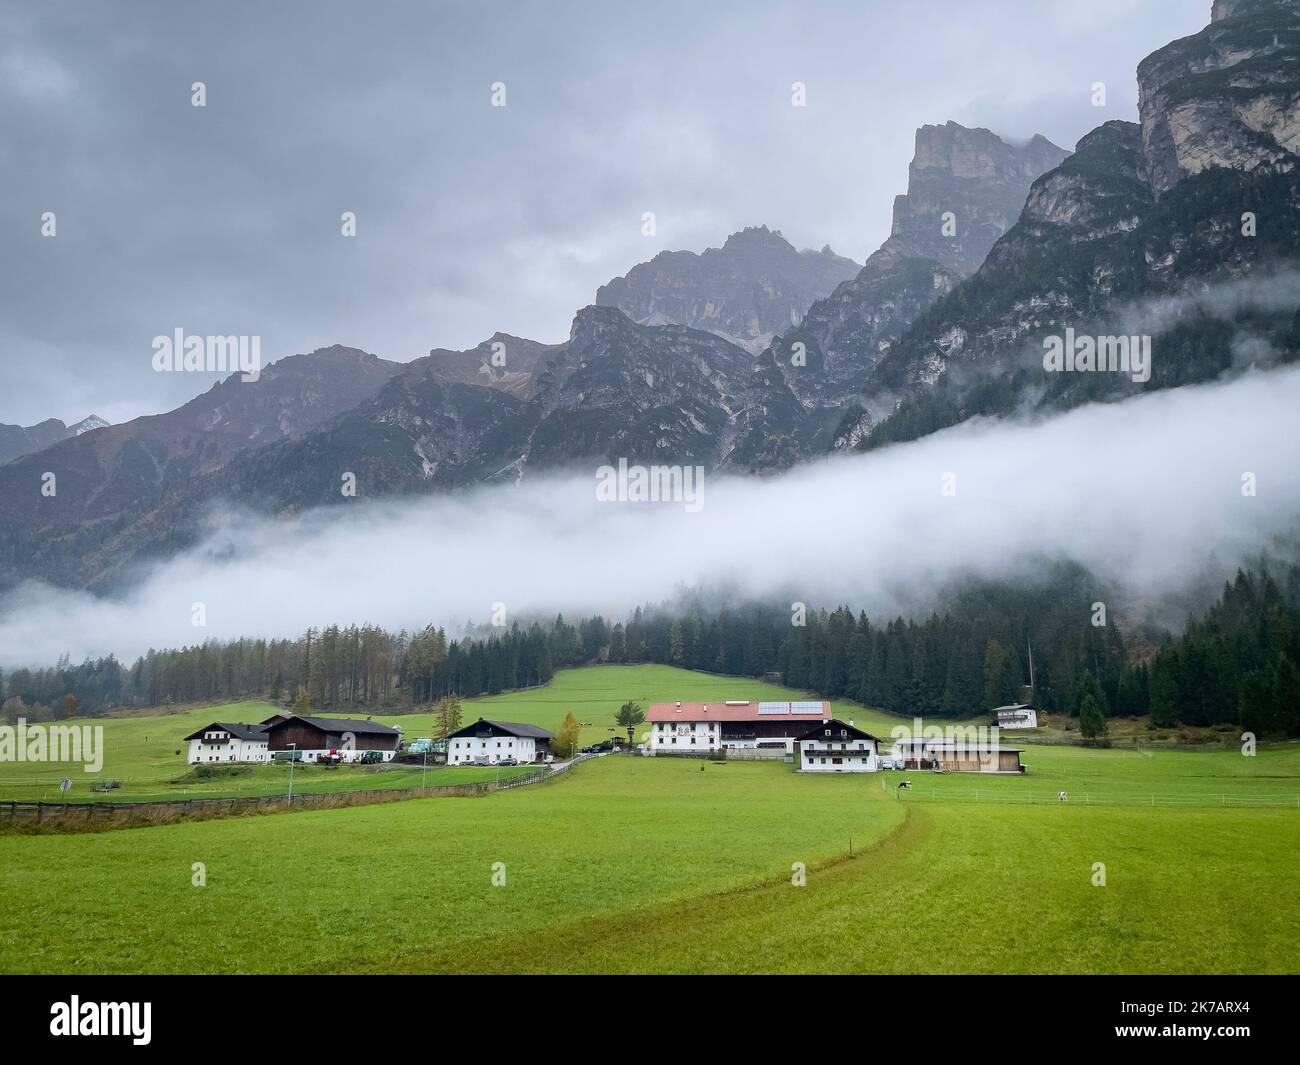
1063,796
904,784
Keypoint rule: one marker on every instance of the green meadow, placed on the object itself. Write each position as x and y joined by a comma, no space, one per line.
1161,861
656,865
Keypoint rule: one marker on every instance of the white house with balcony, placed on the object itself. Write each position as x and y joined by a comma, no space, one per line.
837,747
222,742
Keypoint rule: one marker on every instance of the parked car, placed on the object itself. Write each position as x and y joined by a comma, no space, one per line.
508,761
481,761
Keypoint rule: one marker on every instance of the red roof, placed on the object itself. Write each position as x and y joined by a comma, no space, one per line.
734,711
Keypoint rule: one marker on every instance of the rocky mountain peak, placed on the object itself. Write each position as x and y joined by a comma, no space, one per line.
92,421
965,189
979,154
758,237
753,287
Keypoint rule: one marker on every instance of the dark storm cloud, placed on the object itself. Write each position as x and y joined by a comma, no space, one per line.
225,219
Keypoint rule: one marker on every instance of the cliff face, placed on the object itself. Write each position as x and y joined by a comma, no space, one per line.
1205,191
966,187
1227,97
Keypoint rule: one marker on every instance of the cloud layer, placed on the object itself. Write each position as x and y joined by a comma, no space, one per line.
1147,493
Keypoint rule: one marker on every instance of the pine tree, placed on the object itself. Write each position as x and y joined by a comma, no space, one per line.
1092,721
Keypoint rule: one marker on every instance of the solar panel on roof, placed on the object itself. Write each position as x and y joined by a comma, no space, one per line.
773,708
805,708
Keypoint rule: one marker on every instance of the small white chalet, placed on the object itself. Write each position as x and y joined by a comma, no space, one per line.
1017,715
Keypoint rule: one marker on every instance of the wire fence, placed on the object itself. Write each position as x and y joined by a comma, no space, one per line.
93,816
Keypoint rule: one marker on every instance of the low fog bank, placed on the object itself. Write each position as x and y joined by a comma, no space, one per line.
1146,494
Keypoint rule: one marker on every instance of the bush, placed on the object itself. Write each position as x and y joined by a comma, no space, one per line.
212,772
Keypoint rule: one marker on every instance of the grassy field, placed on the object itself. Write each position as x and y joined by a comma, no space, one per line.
1091,776
145,751
657,865
311,890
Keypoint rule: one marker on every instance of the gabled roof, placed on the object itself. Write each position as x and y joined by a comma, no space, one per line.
237,729
1014,707
818,732
338,725
514,728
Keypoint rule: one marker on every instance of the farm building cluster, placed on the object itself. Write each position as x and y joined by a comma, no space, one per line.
814,739
302,738
336,739
805,732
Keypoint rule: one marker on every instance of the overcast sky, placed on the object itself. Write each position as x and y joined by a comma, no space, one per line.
226,219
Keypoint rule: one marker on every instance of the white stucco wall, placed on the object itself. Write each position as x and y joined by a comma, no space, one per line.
856,756
463,749
234,750
685,735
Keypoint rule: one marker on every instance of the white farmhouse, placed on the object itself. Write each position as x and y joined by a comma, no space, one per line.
737,724
495,740
221,742
837,747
